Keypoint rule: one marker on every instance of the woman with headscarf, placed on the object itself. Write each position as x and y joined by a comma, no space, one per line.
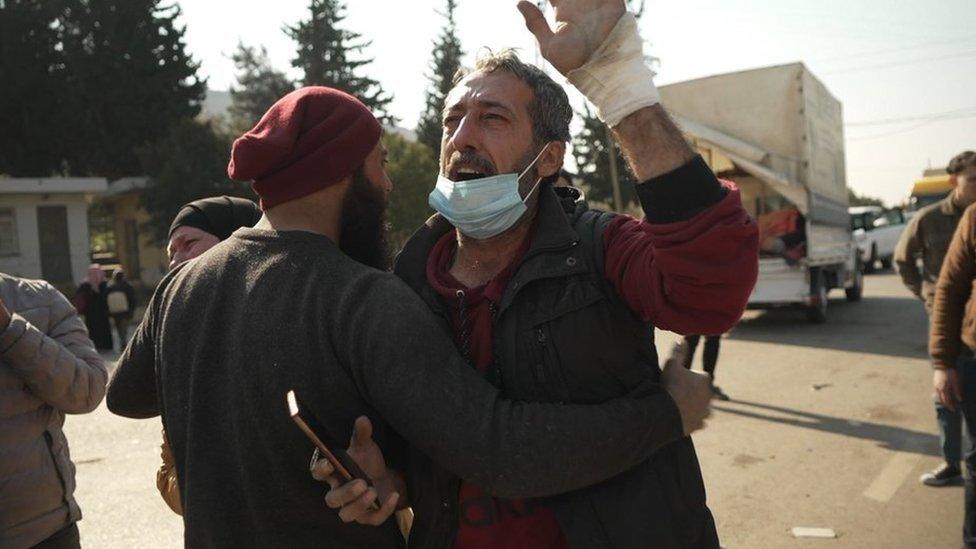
90,300
199,226
202,224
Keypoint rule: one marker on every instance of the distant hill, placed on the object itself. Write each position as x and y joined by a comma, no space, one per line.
216,104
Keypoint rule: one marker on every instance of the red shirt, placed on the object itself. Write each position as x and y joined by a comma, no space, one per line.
485,522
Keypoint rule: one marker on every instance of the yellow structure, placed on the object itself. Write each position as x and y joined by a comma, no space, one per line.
142,260
930,189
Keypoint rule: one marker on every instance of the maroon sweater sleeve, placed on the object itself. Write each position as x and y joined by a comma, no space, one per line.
691,264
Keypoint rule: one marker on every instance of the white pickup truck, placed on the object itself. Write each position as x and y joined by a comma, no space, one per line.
876,231
778,133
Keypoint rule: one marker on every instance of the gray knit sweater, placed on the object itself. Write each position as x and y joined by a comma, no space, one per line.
226,335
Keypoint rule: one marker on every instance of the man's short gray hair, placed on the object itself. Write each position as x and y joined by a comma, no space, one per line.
549,108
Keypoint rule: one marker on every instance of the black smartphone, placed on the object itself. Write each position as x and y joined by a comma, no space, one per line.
327,445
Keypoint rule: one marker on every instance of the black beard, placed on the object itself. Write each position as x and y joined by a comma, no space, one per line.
364,227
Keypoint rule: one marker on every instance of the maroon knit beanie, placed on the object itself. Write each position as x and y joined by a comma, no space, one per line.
310,139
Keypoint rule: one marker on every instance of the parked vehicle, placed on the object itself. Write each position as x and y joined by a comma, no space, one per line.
876,232
929,190
778,133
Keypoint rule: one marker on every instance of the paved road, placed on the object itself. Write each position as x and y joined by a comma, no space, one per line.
830,426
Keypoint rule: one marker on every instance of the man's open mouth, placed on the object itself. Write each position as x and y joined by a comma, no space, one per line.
465,173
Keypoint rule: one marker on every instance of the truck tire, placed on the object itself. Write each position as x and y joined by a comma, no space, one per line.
817,313
872,259
855,292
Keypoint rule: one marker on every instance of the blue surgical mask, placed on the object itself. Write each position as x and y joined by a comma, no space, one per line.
484,207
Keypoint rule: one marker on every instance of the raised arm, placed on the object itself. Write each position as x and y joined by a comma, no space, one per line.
61,367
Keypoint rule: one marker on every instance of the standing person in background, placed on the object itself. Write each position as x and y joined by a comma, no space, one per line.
952,339
927,237
48,368
709,359
121,300
91,301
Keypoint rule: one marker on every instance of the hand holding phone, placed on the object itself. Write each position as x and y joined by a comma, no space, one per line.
352,492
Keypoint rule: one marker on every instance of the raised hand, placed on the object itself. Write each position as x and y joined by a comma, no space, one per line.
581,27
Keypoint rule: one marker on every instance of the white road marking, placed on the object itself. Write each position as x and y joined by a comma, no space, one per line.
892,476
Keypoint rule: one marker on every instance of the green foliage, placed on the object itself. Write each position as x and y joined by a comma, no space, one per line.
444,65
413,170
83,82
259,85
31,85
327,55
130,79
188,163
592,152
860,200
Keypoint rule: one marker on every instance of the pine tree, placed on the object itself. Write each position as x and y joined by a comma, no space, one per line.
259,85
31,85
129,79
329,56
592,153
187,163
444,65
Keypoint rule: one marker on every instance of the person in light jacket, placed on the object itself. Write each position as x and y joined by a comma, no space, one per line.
48,368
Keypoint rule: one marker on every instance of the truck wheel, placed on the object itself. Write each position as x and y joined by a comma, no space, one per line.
855,292
817,312
872,259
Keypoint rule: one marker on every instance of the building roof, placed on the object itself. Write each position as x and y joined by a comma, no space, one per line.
50,185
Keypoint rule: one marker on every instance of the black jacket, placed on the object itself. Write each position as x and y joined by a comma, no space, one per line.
563,335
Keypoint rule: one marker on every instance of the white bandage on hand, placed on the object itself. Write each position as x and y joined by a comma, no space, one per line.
616,79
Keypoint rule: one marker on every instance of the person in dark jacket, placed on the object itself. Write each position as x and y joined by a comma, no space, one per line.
91,301
554,302
709,359
121,299
300,303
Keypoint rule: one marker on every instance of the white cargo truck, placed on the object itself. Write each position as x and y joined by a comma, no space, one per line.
778,133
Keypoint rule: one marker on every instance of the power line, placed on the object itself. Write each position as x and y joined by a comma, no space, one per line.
905,130
902,63
967,112
960,40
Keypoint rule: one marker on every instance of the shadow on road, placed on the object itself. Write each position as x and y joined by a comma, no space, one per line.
894,326
887,436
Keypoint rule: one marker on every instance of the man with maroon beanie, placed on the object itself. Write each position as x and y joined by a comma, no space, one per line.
296,303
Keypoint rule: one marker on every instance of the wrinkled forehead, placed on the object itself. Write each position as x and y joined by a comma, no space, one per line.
186,234
500,89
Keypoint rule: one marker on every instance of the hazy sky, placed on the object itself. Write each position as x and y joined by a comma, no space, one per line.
913,62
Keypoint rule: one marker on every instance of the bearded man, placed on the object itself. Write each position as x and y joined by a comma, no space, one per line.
553,302
297,303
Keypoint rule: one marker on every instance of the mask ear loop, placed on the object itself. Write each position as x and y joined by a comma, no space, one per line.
529,167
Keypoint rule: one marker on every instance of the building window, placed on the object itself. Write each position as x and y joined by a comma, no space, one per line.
8,232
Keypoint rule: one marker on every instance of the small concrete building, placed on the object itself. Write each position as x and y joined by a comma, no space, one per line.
144,262
44,227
